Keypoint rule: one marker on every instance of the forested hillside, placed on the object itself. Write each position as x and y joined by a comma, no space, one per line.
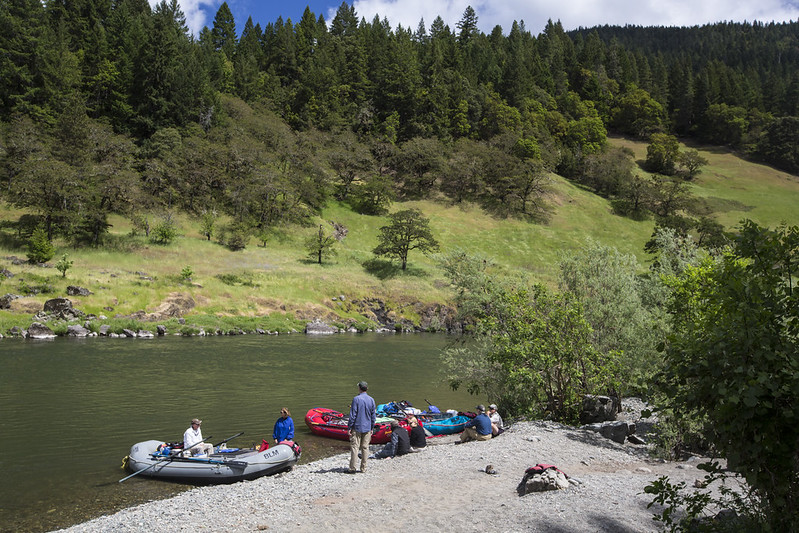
111,107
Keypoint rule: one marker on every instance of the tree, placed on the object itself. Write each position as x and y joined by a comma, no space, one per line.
531,351
662,153
63,265
606,284
692,162
408,230
732,360
40,249
320,246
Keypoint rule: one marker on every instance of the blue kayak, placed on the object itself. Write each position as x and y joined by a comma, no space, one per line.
446,426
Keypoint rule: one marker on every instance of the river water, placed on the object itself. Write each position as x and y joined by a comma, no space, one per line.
71,408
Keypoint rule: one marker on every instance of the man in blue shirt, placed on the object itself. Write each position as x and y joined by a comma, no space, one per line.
479,427
363,414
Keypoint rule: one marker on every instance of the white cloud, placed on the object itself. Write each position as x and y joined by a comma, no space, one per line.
192,9
575,13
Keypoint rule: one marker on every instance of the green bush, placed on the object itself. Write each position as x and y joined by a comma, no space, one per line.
40,249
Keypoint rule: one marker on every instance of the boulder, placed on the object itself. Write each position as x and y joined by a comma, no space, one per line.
128,332
547,480
615,431
77,331
37,330
104,329
72,290
145,334
317,327
160,329
598,409
5,300
57,306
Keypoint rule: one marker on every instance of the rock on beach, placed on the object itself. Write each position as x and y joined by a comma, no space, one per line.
442,488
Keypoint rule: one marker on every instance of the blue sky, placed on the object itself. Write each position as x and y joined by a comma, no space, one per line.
535,13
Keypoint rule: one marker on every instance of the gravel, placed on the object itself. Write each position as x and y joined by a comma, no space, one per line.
444,487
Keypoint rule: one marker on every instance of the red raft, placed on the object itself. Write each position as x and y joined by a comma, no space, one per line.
329,423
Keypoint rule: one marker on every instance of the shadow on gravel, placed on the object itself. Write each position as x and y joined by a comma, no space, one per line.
338,470
595,439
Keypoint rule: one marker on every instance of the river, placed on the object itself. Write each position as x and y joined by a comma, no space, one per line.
71,408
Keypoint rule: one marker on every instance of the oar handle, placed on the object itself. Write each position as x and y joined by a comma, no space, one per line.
229,438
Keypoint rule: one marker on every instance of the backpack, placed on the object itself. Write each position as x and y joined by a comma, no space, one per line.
540,468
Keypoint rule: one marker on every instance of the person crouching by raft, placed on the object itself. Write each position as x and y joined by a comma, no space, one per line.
479,427
400,443
284,427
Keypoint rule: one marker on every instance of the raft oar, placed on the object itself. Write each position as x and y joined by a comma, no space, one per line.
172,455
229,438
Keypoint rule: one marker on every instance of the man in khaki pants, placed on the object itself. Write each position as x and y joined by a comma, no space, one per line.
363,414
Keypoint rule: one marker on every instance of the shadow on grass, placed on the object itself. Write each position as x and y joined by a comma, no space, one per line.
383,269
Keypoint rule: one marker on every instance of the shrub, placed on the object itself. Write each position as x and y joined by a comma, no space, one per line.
40,249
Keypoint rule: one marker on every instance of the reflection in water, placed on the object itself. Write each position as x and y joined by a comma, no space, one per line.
70,409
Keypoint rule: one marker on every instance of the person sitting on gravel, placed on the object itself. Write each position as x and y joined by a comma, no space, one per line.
478,428
418,436
496,420
400,443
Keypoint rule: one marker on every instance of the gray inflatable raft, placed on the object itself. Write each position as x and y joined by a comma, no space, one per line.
223,466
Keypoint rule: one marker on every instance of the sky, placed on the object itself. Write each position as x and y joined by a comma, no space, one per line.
535,13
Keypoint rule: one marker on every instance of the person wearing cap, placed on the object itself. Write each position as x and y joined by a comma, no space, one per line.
479,427
193,439
496,420
363,415
400,443
284,427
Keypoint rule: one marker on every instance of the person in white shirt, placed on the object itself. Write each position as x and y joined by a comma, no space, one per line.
193,438
496,420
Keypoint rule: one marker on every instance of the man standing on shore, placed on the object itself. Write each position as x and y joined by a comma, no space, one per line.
363,414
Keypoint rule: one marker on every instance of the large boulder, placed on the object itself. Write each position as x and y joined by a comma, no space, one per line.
549,479
598,409
37,330
615,431
57,306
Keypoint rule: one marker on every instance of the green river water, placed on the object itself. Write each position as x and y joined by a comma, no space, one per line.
71,408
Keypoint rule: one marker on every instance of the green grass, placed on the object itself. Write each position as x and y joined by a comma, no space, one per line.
278,288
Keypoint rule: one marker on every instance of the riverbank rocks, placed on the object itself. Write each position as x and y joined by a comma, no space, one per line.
317,327
37,330
77,331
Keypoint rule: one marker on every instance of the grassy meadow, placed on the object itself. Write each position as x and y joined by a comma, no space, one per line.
277,287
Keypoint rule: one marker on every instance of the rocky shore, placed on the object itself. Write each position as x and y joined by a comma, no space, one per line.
444,487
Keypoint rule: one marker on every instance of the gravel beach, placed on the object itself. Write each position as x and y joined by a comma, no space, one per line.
442,488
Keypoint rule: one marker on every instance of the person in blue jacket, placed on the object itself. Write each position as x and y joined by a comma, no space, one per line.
284,427
479,427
